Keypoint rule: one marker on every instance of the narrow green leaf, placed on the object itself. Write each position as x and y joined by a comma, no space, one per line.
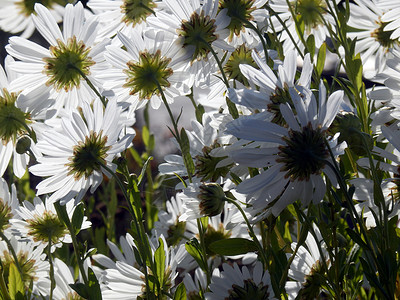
311,45
357,239
232,108
94,286
143,171
77,217
15,283
185,148
321,59
159,258
199,113
233,246
193,248
358,71
80,289
180,292
299,25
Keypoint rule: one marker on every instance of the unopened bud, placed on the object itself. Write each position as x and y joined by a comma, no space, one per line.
23,145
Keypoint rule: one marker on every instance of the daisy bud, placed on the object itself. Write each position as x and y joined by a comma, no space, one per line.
23,145
212,199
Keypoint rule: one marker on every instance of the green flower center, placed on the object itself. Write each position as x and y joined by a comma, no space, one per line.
281,96
250,290
176,233
240,13
136,11
313,282
47,227
206,165
383,37
27,7
242,55
88,156
199,33
146,76
13,121
5,215
213,235
27,265
310,11
304,153
67,64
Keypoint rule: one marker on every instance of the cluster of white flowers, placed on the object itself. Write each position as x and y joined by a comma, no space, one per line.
272,152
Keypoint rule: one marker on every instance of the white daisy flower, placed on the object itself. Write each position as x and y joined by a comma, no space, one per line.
124,279
146,63
373,41
196,284
17,126
311,12
58,72
16,15
295,156
35,267
8,206
122,15
242,12
204,140
39,222
306,264
236,283
196,26
175,232
274,89
73,155
63,276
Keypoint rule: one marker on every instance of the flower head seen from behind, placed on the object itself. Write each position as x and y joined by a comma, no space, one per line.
292,158
74,155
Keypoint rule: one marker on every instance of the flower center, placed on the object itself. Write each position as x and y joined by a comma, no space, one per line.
136,11
145,76
250,290
383,37
27,265
206,165
5,215
199,33
242,55
27,7
213,235
240,13
304,153
176,233
280,96
67,64
46,227
310,11
13,121
88,156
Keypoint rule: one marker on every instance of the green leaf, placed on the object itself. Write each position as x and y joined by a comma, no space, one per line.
15,284
77,218
299,25
80,289
143,171
232,108
94,286
180,292
62,213
185,148
311,46
159,258
233,246
148,139
199,113
321,59
194,249
357,239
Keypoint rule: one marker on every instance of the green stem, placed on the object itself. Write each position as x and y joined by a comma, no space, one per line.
139,229
90,84
255,29
52,280
251,231
77,254
204,250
